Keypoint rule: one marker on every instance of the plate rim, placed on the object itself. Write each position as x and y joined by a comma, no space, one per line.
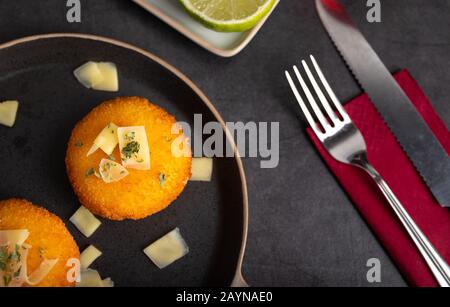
238,279
223,52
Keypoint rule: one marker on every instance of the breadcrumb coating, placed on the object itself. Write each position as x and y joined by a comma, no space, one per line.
142,192
49,238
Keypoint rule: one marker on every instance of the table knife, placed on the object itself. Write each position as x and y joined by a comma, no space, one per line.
411,131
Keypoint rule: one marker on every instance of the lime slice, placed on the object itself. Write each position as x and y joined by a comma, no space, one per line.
228,15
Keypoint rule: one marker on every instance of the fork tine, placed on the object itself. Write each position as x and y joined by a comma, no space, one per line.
323,121
300,101
320,94
330,92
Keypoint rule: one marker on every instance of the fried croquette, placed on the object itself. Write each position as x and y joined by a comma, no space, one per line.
142,192
49,239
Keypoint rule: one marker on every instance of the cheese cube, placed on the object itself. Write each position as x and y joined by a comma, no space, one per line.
201,169
85,221
108,283
133,146
100,76
167,249
89,74
88,256
8,112
89,278
110,81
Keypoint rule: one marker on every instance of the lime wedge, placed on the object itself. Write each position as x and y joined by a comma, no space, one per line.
228,15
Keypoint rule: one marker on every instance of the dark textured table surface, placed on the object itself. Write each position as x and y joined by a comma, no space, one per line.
304,231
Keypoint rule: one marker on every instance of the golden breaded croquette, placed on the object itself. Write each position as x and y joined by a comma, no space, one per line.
49,238
142,192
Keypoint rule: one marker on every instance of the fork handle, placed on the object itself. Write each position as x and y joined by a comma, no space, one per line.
436,263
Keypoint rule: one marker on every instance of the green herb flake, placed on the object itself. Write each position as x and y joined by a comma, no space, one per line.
3,253
129,136
131,149
15,255
90,172
41,252
17,273
78,144
106,167
162,179
7,280
111,157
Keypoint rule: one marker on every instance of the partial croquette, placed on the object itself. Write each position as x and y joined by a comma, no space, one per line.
142,192
49,239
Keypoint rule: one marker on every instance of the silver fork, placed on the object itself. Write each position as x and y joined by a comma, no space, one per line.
345,143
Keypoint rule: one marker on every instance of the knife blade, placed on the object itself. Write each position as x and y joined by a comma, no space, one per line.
411,131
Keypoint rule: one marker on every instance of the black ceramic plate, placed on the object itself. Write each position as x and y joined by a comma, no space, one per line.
212,216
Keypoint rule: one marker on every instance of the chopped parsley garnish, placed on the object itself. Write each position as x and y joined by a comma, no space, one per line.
8,259
162,179
4,257
15,255
3,253
131,149
106,167
17,273
7,279
90,172
129,136
78,144
111,157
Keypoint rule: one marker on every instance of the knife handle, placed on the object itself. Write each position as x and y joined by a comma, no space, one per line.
436,263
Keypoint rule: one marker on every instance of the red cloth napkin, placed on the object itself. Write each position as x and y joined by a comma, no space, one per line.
387,157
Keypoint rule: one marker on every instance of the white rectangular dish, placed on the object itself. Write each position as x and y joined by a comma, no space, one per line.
222,44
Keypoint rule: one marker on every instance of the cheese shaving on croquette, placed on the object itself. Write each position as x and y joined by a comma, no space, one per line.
44,239
106,140
13,260
111,171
